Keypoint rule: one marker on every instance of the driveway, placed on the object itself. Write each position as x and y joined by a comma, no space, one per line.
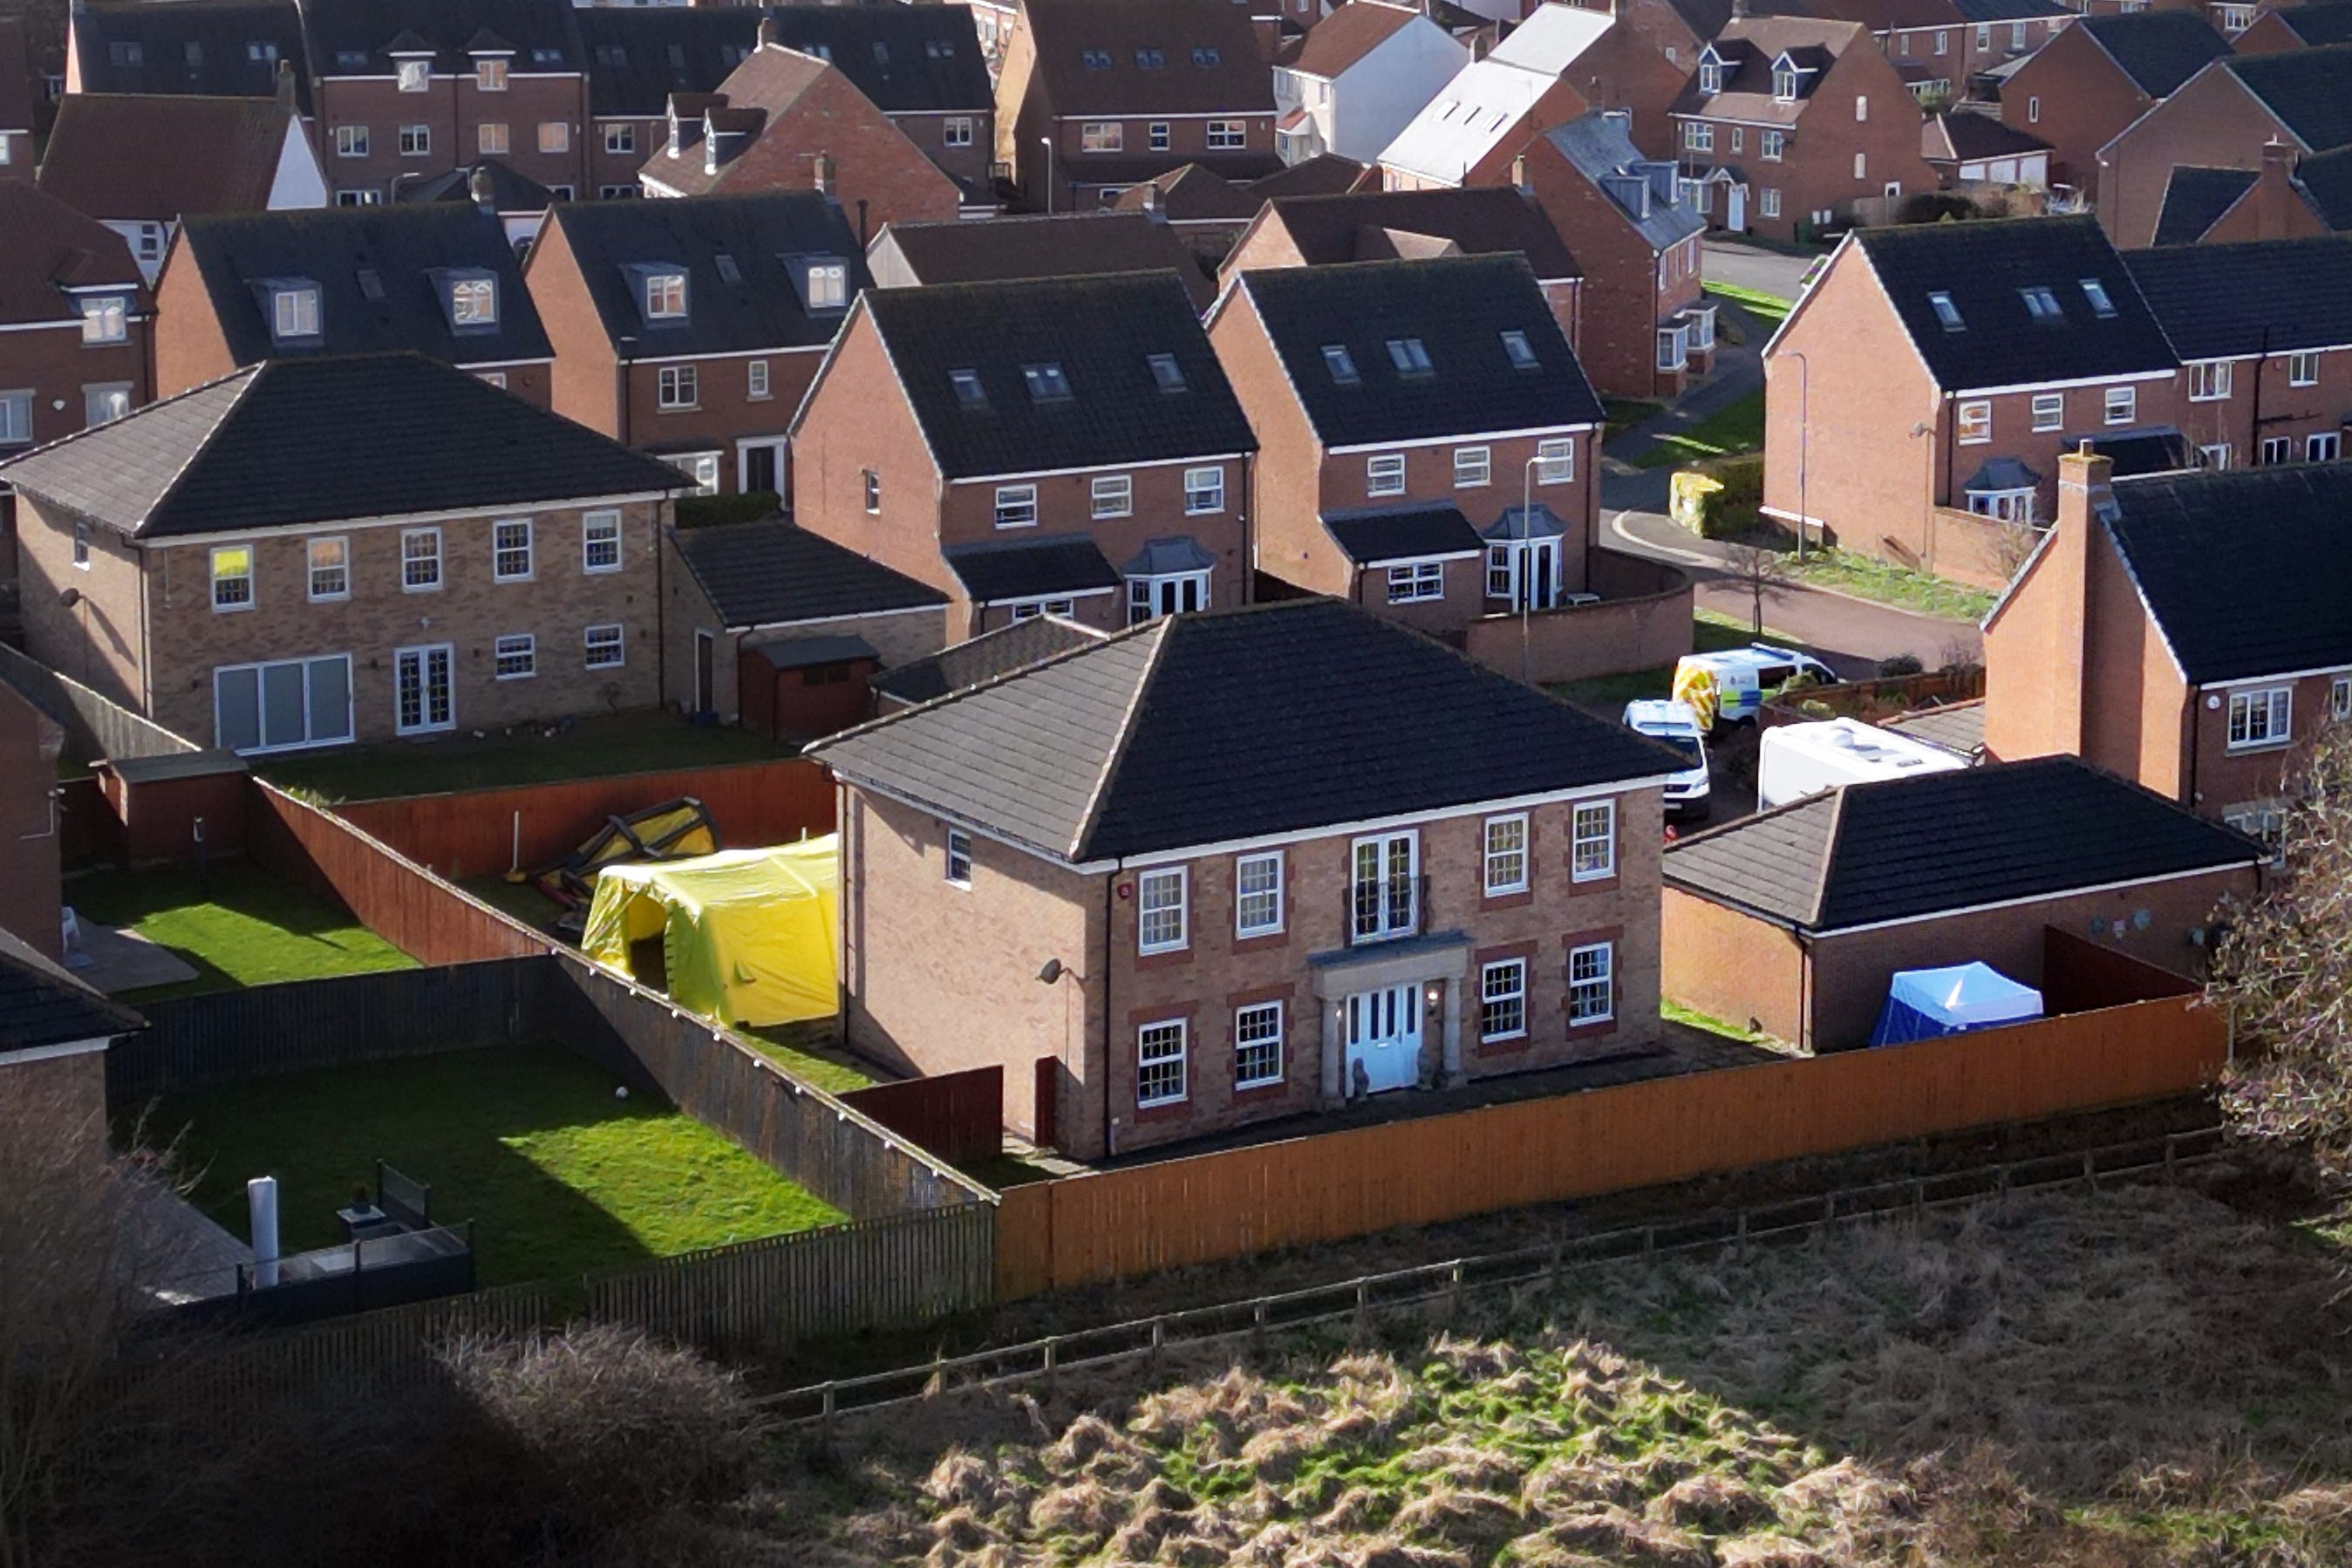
1752,266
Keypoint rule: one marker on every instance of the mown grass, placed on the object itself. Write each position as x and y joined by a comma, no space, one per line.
605,746
561,1176
1692,1018
1731,431
827,1072
1771,307
235,924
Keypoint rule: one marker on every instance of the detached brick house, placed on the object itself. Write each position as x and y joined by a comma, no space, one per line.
74,317
1425,436
691,329
229,564
2223,117
2191,631
2287,198
1067,447
1787,122
437,279
1926,385
1125,92
2264,334
1794,920
1649,329
1168,914
2080,90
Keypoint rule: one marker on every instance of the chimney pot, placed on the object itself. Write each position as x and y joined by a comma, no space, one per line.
477,185
823,174
286,83
767,37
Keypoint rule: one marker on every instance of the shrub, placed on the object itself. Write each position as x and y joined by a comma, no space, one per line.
1898,665
717,512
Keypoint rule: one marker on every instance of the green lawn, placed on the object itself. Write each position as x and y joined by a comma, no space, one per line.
1608,694
521,900
1726,432
590,747
1771,308
827,1072
1691,1018
1625,413
1867,577
236,925
559,1176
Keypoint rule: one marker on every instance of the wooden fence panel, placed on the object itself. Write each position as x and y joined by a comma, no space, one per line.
1238,1203
96,725
958,1116
474,833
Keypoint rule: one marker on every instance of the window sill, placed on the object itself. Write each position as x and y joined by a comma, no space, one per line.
678,408
1259,1093
2255,748
1517,899
1263,942
1163,1110
1504,1045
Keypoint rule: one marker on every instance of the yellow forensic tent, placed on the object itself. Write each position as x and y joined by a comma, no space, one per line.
748,935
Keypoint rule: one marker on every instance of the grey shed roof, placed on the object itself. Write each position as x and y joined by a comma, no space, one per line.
1915,847
772,574
1134,744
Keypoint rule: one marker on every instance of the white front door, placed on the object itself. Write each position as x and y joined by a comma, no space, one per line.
423,699
1383,1038
1735,206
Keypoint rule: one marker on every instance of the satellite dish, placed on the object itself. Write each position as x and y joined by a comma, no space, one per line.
70,597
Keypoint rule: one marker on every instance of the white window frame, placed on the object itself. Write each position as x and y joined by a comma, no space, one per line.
1387,926
1977,415
351,141
2339,696
1768,202
554,137
2267,709
620,140
410,556
1156,136
956,859
502,548
1698,136
873,482
1556,461
2215,457
252,591
342,564
1384,474
1145,592
105,403
1493,859
755,380
298,307
956,132
1503,980
600,531
311,738
490,76
1601,959
1158,1043
473,302
1263,1016
595,642
1268,899
1600,864
2302,368
1111,495
1016,506
2324,446
677,388
2209,381
1416,582
492,139
1102,136
105,319
416,141
519,649
2119,405
1204,491
1152,884
1772,145
1226,135
1474,467
665,296
2049,410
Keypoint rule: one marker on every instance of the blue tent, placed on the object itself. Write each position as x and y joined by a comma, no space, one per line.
1922,1004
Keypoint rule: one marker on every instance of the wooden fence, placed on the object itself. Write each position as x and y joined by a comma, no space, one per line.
1139,1220
96,725
958,1116
770,1294
474,833
191,1042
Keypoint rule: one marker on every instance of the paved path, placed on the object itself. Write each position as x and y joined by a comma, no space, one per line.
1752,266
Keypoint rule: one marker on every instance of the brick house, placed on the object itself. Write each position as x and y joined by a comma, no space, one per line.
690,329
1832,122
2264,334
1066,245
920,65
1145,901
2084,87
55,1030
1357,76
141,164
15,98
1122,92
2222,118
1794,920
1065,446
1208,212
1649,330
76,319
1671,34
228,563
2295,27
1919,396
439,279
1970,151
1940,47
210,48
2287,198
2186,630
779,629
1426,438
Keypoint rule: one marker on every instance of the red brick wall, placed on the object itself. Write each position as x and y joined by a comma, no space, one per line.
2260,390
1732,966
53,364
2211,121
454,109
2074,96
584,386
879,175
1623,296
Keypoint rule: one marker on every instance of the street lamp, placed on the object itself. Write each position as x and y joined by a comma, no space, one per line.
1804,437
1523,563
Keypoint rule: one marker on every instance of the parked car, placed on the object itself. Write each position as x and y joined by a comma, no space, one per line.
1794,760
1675,723
1727,687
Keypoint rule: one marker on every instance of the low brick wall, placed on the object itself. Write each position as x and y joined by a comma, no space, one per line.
1644,620
1980,552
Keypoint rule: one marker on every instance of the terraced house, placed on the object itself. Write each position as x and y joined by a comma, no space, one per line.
231,564
1065,446
1165,912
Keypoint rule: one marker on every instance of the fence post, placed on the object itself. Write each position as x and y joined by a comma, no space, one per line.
1053,1360
2091,1172
1159,1338
1918,1197
1551,1270
2171,1144
1649,1240
1828,1207
1363,1308
1454,1293
825,1428
1257,1324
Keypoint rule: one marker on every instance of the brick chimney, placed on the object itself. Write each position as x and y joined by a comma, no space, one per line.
2084,487
285,84
821,175
2273,194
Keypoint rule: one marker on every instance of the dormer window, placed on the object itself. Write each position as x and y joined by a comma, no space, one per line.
544,56
105,319
1206,55
414,76
2041,305
969,393
1410,358
473,302
939,49
1097,59
823,282
1785,81
665,296
1340,363
371,285
1150,61
1948,315
1519,352
1710,76
350,59
490,76
294,311
2096,292
1166,373
1046,382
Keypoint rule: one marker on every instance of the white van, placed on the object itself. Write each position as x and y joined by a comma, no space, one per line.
1677,726
1730,686
1794,760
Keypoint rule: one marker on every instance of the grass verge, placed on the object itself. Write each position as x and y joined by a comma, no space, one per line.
1692,1018
601,747
824,1071
1729,432
559,1176
236,925
1883,581
1771,307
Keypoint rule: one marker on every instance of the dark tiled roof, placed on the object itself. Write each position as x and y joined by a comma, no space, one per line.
216,49
2326,181
354,38
1645,190
1915,847
774,574
1056,565
271,445
1229,76
1324,175
2246,572
2157,49
1958,727
2220,302
1948,138
1102,332
984,658
164,157
510,191
1482,220
2149,449
2324,23
904,58
1133,168
2195,199
1983,266
1458,307
638,57
1373,535
801,653
2010,10
1191,193
339,249
49,248
760,308
1134,744
1067,245
41,1003
2310,91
